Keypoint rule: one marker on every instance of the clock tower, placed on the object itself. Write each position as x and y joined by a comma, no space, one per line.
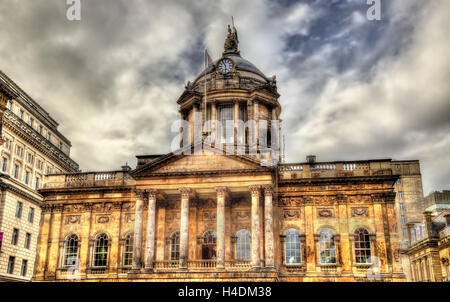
234,104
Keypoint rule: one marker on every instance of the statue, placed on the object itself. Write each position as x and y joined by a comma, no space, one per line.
232,41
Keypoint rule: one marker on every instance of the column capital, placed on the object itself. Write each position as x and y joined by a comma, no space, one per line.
221,191
185,192
254,189
140,193
268,189
152,193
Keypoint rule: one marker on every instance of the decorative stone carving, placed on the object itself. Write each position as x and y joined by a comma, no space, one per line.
103,219
242,215
129,217
325,213
129,206
105,207
360,212
294,214
73,219
209,215
185,192
254,190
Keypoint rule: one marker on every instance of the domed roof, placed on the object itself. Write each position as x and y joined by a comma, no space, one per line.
241,65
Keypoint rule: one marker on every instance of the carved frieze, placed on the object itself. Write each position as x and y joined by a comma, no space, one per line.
360,212
291,214
209,215
325,213
72,219
103,219
129,217
242,215
105,207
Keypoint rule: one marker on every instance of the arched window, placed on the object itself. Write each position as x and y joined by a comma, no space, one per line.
292,247
362,246
175,246
243,245
327,249
101,250
70,250
128,250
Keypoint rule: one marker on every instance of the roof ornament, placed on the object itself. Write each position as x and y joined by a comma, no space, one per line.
232,41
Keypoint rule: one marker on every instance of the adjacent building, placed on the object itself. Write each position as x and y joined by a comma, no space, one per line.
32,147
429,250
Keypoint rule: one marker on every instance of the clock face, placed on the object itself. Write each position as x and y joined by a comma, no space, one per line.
225,66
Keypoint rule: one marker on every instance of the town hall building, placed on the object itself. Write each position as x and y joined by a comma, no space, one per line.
202,214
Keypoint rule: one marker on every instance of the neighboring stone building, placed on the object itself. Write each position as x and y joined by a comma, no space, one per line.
32,147
214,217
429,252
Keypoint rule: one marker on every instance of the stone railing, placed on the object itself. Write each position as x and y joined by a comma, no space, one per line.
166,264
88,179
238,264
202,264
335,169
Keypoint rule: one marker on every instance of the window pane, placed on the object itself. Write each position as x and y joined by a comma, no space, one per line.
292,247
243,245
362,246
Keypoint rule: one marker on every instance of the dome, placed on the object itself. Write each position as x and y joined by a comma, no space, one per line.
241,65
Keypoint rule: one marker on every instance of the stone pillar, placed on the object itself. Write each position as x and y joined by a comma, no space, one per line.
268,226
151,229
221,197
255,250
138,217
184,226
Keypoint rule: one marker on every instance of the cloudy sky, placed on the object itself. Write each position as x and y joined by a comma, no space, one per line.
350,88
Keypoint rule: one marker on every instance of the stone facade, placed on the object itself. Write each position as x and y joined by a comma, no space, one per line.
31,148
204,215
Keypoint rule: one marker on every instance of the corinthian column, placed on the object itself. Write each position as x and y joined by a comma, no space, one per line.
184,226
256,260
151,229
138,217
221,196
268,226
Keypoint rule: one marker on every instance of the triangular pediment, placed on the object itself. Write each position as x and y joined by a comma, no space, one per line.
207,159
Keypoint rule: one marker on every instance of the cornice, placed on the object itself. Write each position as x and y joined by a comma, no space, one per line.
5,186
33,137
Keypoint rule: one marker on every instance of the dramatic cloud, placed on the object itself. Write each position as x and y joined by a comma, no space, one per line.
350,88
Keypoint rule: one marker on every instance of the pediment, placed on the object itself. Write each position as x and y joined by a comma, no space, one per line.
204,161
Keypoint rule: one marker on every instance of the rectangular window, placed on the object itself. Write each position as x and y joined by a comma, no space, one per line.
49,136
11,264
36,183
403,219
226,115
40,129
16,171
23,269
27,241
31,122
402,206
27,177
31,215
9,105
399,181
19,151
15,237
19,209
400,194
4,164
404,232
21,113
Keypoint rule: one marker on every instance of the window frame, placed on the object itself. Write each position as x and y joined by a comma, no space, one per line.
101,241
292,248
24,268
15,236
127,260
367,249
11,264
70,249
175,246
19,209
243,245
27,243
327,245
